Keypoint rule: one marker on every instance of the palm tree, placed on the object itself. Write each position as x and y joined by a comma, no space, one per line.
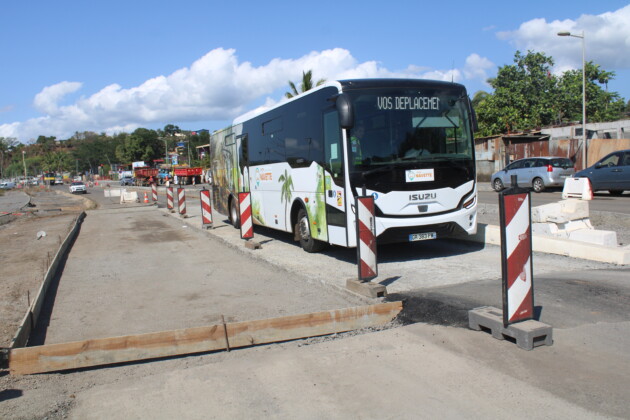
479,97
307,84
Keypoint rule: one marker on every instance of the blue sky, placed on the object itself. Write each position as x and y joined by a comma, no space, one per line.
114,65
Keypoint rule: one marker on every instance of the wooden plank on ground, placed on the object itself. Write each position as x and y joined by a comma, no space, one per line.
104,351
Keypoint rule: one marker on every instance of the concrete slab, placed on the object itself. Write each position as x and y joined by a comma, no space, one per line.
561,211
491,234
593,236
372,290
527,334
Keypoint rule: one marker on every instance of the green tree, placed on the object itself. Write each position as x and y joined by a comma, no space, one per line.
479,97
307,84
57,162
143,144
90,149
601,105
524,96
171,129
7,144
527,96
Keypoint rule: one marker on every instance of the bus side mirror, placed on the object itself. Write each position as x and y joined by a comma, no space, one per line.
346,113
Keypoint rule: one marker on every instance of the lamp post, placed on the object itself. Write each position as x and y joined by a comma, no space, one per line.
583,92
24,163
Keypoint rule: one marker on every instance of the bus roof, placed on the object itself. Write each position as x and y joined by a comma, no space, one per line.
351,84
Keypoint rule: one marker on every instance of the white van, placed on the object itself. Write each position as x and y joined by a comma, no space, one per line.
7,185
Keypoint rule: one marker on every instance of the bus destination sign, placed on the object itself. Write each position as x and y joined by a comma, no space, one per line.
408,102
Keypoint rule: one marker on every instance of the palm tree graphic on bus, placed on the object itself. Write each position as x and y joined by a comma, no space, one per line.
287,186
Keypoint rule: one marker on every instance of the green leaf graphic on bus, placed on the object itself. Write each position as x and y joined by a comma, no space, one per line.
257,213
317,210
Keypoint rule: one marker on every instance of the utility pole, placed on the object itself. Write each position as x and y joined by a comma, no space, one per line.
24,163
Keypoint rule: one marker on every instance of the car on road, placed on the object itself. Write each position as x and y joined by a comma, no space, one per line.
537,173
78,187
7,185
611,173
126,181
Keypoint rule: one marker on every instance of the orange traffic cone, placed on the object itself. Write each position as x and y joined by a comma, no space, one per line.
146,198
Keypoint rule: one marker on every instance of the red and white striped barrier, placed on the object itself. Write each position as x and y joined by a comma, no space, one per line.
206,209
154,191
169,198
366,238
181,201
245,209
516,253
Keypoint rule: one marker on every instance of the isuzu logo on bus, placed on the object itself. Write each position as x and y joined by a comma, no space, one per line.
422,196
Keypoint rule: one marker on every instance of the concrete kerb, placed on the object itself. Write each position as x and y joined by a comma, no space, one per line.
491,234
30,319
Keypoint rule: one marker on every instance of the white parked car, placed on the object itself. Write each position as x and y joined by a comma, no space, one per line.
78,187
7,185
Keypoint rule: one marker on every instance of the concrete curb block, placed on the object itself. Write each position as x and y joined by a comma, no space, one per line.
30,319
491,234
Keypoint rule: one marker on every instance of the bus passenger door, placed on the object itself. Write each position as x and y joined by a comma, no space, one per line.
334,174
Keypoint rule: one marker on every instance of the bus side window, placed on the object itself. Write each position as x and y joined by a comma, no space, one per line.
332,141
244,151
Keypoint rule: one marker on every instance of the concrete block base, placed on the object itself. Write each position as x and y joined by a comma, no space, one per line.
253,245
527,334
372,290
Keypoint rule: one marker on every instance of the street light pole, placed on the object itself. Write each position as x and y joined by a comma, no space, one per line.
24,163
583,92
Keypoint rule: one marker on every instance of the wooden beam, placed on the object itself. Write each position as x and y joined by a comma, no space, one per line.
104,351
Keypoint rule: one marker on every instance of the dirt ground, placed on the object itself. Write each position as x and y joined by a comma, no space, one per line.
24,259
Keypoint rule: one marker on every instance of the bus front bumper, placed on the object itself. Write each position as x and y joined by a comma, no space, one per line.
460,223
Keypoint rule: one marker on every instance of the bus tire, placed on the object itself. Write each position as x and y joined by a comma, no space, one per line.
235,218
304,232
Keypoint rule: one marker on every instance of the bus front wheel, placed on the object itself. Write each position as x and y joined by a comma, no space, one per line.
304,233
234,216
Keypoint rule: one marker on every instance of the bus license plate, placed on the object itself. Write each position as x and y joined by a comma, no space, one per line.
422,236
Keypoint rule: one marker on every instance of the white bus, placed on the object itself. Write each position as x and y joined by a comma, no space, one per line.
407,142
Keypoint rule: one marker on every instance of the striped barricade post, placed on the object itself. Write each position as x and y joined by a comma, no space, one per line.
516,255
245,210
366,238
206,209
169,198
154,191
181,201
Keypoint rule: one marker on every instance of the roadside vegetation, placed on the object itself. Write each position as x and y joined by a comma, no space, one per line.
98,153
527,95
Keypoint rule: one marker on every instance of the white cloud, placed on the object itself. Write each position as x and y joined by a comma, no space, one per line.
216,87
46,100
607,39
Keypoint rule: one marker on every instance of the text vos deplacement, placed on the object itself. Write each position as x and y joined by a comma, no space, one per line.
408,102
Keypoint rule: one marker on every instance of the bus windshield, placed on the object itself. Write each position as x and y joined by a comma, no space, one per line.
407,126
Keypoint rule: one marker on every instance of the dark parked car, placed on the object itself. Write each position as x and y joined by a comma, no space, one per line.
126,181
611,173
538,173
